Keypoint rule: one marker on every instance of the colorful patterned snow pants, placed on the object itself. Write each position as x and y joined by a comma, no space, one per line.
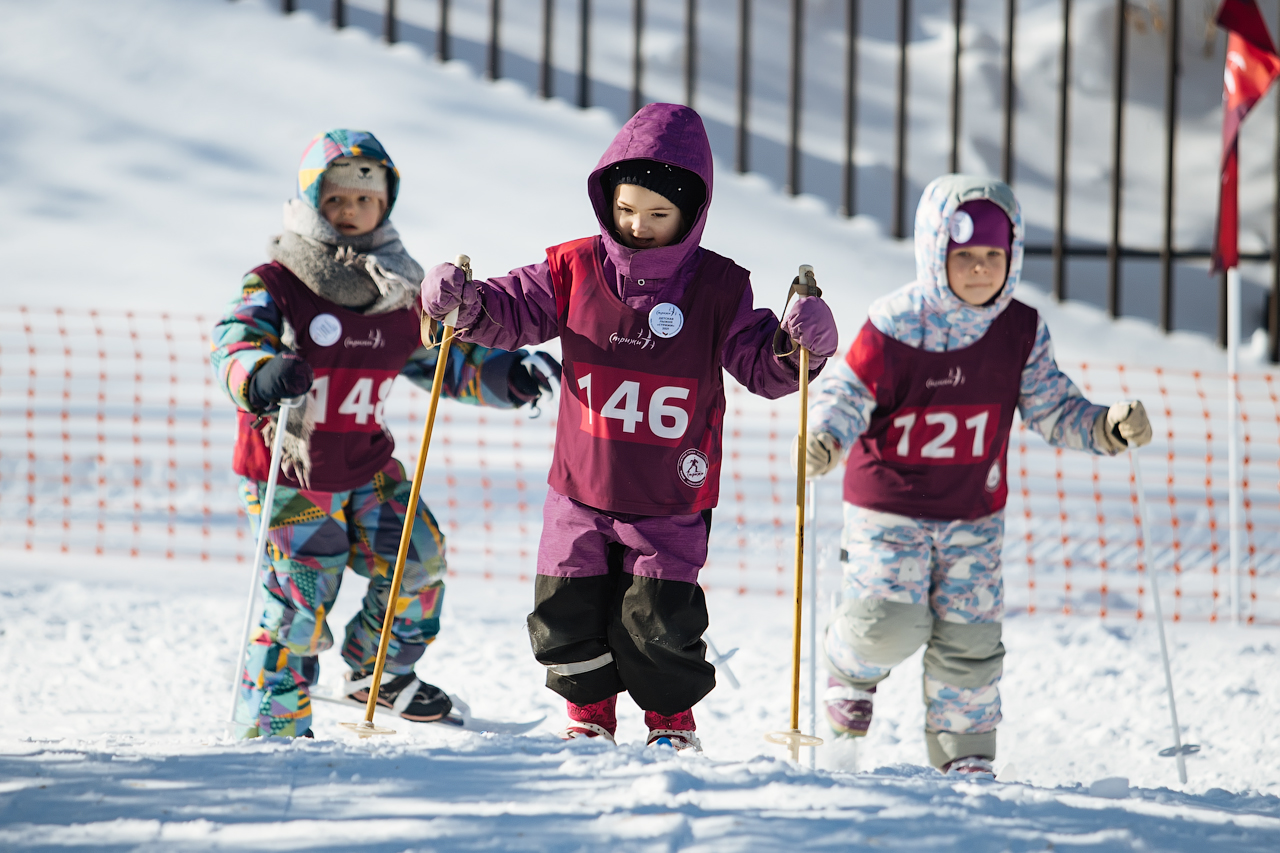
312,538
910,582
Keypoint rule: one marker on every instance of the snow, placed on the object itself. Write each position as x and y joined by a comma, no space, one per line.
152,142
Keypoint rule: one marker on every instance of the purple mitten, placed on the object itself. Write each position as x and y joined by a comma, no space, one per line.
445,288
812,326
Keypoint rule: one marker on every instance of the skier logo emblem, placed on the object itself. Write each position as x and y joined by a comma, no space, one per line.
325,329
693,467
666,320
994,476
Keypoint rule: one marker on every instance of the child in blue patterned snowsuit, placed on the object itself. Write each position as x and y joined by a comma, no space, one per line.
335,313
922,408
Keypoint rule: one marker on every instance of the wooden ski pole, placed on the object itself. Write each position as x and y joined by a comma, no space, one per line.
266,504
366,727
793,738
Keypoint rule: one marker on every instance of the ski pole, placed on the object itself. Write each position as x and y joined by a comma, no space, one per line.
266,505
813,617
1178,750
793,738
366,728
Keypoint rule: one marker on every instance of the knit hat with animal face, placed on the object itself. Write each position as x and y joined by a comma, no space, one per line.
356,173
354,150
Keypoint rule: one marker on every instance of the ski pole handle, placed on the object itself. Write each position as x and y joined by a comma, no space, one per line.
427,327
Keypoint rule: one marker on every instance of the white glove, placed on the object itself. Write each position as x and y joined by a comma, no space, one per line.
1121,426
822,453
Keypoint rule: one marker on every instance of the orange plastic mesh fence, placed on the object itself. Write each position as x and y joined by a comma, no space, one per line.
114,439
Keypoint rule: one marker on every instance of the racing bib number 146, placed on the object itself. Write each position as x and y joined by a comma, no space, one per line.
627,405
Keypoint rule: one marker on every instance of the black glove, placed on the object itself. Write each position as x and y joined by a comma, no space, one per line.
285,375
532,376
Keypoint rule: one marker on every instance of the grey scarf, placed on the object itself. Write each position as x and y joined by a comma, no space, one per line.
371,273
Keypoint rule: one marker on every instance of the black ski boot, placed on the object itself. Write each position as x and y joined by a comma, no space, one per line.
410,698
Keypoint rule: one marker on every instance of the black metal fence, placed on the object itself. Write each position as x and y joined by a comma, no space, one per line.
1163,281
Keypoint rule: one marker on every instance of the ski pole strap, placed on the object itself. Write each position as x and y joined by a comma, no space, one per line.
805,285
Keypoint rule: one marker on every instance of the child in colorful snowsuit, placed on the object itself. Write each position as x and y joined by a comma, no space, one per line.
335,313
646,318
922,406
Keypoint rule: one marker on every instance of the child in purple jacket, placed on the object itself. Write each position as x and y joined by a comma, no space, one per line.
646,318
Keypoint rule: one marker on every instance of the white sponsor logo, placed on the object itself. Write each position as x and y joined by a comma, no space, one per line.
666,320
993,476
961,227
953,379
325,329
693,467
373,341
644,340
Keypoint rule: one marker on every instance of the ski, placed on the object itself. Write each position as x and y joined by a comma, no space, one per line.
459,718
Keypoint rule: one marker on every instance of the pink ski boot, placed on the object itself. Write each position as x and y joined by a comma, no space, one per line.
675,731
599,719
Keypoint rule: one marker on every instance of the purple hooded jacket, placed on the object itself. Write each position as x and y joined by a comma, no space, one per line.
519,309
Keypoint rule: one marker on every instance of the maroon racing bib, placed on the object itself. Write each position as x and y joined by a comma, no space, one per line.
356,358
938,439
642,397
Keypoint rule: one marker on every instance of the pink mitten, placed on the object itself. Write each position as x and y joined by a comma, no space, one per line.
812,326
445,288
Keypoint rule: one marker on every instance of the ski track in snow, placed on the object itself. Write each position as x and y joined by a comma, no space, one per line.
167,131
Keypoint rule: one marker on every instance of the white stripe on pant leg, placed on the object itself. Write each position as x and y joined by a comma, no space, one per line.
581,666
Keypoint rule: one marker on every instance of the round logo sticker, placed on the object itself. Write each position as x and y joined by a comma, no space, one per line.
693,467
325,329
666,320
993,477
961,227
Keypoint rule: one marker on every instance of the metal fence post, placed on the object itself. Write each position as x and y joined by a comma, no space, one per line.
1064,132
849,183
1117,157
900,125
1172,72
338,13
442,32
957,18
584,53
637,58
495,43
1010,30
795,97
546,73
742,152
690,51
389,34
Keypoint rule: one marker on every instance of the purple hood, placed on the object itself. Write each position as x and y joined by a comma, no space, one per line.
668,133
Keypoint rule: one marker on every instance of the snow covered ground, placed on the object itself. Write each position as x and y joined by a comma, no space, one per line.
152,142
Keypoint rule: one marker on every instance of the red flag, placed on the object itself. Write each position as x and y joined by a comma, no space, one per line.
1252,64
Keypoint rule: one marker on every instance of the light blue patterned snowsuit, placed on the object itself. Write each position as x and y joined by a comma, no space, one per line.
910,581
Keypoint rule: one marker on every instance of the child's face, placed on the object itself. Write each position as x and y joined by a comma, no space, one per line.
976,273
352,212
645,219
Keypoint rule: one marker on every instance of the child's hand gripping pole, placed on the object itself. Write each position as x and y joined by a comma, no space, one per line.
803,285
366,728
265,507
